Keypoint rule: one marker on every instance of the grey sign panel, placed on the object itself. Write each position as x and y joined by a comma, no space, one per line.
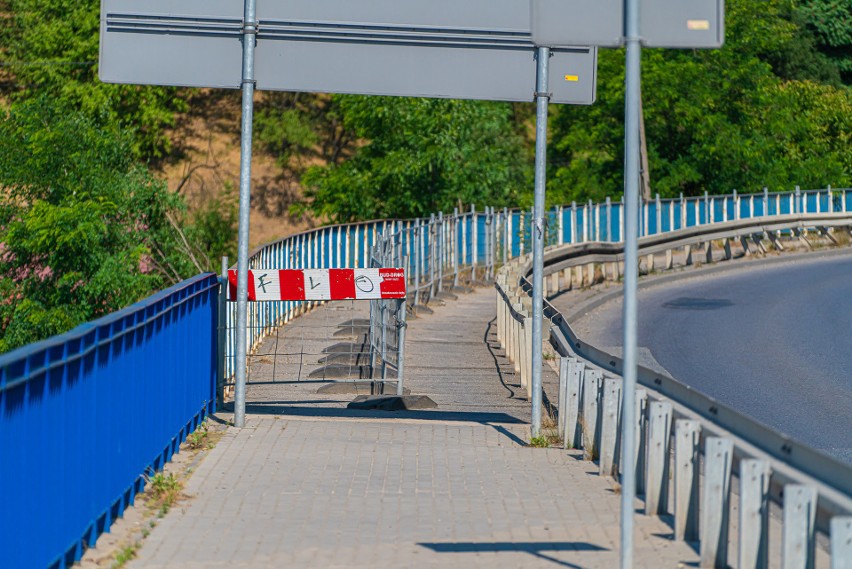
186,43
585,22
682,23
663,23
467,49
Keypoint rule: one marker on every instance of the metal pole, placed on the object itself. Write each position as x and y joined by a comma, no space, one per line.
439,257
249,32
455,246
542,98
631,274
400,364
223,334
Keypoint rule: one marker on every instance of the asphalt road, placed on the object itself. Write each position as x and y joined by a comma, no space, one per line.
774,342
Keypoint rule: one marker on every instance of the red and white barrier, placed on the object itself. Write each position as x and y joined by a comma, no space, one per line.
321,284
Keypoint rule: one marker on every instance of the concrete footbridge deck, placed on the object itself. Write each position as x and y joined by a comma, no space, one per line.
310,483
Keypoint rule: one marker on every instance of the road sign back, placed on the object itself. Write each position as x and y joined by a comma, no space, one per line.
470,49
663,23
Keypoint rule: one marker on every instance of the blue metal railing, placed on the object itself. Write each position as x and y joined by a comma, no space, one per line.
85,414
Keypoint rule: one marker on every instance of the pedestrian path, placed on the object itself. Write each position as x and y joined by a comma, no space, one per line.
310,483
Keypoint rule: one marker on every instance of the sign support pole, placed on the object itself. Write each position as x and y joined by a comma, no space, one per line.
632,81
249,32
542,97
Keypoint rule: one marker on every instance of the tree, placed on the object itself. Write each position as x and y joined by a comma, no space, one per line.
715,120
830,22
83,229
52,49
420,156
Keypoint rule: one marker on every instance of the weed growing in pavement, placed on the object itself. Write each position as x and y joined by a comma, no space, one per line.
539,442
200,438
126,553
164,491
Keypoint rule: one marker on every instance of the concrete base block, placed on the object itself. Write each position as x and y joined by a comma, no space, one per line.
393,402
444,295
420,309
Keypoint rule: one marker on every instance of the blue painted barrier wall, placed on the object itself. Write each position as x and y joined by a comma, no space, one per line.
84,415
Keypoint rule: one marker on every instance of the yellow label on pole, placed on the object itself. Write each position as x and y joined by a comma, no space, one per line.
572,77
698,24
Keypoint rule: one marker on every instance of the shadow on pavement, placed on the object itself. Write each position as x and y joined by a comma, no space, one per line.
535,548
275,408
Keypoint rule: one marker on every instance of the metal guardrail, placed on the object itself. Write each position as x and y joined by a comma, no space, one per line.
814,490
87,414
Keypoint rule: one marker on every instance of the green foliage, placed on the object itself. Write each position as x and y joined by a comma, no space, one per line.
164,490
199,438
421,155
53,49
283,127
83,230
540,442
715,120
125,554
830,22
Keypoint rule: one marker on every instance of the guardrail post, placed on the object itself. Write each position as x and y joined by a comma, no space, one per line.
718,454
659,449
687,249
841,542
754,514
687,435
798,550
565,363
610,426
591,397
523,352
516,337
639,445
528,349
571,434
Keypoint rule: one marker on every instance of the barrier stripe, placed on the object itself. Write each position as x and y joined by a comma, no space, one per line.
321,284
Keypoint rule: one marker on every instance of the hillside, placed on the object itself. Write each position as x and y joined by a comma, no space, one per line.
205,165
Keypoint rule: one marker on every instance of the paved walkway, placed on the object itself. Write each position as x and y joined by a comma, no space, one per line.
310,483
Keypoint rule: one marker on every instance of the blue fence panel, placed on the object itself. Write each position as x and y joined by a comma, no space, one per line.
719,206
85,414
